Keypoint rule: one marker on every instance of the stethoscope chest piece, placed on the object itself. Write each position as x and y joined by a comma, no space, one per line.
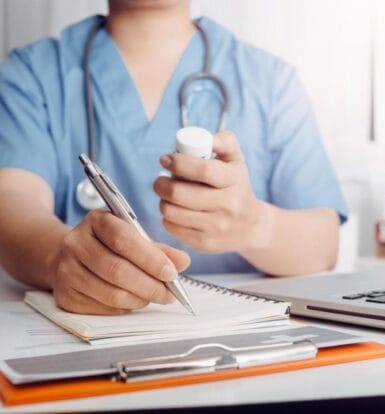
87,196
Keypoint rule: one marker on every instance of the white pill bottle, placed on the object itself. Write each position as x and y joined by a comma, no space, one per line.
195,141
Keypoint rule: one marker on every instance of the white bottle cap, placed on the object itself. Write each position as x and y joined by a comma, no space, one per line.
194,141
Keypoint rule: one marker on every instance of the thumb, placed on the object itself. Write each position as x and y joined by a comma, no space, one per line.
226,146
180,258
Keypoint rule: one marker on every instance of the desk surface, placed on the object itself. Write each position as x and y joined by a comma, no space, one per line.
357,379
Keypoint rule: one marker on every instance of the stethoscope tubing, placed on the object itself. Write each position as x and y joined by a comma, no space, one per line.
183,98
84,195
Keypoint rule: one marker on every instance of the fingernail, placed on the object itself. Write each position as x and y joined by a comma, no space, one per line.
165,161
168,273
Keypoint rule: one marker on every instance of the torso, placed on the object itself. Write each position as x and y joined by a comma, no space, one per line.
150,75
138,115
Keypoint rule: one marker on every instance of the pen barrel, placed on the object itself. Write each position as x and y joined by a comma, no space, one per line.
116,203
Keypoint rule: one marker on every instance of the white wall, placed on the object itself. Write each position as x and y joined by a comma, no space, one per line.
330,42
2,31
23,21
379,48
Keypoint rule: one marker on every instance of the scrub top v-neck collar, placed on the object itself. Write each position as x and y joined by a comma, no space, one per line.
115,84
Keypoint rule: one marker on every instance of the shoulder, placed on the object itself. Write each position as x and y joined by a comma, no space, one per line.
262,71
226,45
48,57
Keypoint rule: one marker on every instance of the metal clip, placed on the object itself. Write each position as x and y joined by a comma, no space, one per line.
228,358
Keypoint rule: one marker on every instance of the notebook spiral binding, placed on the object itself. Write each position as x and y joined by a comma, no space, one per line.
226,291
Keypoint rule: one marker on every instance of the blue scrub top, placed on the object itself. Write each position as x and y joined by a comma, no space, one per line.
43,126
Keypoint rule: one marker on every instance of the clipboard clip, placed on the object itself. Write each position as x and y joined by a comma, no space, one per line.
215,357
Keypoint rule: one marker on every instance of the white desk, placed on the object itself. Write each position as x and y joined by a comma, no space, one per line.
357,379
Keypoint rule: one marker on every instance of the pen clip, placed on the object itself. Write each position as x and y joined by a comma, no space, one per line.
94,173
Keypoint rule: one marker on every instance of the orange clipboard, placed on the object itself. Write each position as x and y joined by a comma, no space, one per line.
79,388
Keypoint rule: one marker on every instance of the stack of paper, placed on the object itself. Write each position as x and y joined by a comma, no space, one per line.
220,311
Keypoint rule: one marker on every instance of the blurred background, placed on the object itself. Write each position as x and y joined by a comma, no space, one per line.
338,47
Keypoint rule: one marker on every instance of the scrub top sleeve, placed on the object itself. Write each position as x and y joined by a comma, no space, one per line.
25,139
301,174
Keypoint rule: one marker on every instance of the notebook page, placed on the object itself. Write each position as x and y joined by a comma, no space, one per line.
216,307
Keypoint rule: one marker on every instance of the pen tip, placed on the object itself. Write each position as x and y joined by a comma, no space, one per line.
191,310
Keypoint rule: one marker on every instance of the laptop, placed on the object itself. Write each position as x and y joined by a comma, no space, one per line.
356,298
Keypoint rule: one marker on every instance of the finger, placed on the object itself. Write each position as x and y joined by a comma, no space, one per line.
190,195
125,241
180,258
88,283
121,273
79,303
184,217
194,238
227,147
211,223
215,173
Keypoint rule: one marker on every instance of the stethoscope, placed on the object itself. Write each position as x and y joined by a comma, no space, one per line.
86,194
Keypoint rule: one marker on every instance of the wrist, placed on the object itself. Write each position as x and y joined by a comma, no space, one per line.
260,231
53,256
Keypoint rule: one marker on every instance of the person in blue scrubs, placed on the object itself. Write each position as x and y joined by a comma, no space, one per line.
269,202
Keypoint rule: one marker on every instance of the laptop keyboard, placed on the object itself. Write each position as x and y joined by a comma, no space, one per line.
375,296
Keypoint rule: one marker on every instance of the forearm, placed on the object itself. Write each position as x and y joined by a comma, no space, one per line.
30,237
294,242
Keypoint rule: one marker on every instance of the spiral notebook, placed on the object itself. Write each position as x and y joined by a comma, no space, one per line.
219,310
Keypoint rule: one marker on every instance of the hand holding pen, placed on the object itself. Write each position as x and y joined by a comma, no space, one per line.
119,206
106,267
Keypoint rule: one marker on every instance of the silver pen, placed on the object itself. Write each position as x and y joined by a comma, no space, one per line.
120,208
